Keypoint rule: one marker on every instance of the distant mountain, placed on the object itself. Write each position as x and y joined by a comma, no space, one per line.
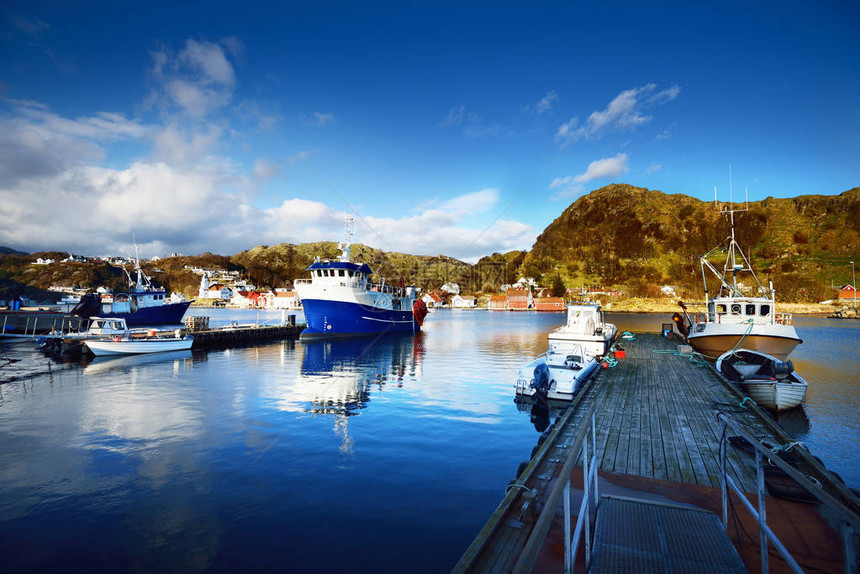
10,251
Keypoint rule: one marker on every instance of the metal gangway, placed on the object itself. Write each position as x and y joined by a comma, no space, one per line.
637,535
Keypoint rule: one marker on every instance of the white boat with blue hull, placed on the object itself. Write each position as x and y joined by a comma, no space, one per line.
340,300
557,374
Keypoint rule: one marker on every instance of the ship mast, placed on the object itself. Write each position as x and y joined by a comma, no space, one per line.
349,231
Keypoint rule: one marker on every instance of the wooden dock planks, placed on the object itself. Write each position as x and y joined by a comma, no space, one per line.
656,418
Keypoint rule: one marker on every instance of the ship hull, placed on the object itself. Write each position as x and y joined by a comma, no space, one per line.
167,314
714,345
327,318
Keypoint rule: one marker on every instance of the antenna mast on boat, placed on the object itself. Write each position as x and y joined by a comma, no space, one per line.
349,231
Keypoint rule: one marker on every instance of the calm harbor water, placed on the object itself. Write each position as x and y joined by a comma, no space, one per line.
367,455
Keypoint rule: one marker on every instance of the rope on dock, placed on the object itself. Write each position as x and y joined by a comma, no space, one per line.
744,402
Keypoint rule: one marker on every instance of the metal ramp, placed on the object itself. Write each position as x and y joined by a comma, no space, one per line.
641,536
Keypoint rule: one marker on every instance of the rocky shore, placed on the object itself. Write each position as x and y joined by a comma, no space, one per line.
846,312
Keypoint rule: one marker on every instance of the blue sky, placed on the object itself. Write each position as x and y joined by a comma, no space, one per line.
460,128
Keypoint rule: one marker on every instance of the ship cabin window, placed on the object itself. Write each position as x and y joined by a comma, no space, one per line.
764,310
721,309
736,309
750,309
341,273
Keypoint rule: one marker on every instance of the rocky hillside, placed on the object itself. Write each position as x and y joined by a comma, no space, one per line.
638,239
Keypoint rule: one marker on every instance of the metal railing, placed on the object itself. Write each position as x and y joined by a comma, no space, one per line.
530,551
849,522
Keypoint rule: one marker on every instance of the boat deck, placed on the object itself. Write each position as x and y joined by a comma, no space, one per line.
656,421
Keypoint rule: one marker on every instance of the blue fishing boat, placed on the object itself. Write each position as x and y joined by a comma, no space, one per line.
144,304
340,299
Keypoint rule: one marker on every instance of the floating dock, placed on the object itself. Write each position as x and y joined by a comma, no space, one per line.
659,421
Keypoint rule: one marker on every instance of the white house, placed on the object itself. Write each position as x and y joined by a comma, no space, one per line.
283,299
459,302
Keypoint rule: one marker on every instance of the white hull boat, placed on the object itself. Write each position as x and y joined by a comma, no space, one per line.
585,328
770,382
556,375
129,346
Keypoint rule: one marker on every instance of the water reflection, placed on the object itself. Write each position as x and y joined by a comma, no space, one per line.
101,365
337,375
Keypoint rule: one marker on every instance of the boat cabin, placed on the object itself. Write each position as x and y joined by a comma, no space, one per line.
100,327
340,273
734,310
584,319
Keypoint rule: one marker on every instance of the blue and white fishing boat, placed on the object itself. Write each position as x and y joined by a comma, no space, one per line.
340,300
144,304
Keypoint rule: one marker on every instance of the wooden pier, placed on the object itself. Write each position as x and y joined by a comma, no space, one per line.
243,335
657,429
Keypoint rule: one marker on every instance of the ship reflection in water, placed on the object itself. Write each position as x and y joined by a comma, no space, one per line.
338,376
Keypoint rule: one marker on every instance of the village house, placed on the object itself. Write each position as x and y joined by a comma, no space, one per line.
519,299
459,302
248,299
433,300
549,304
214,290
847,292
283,299
497,303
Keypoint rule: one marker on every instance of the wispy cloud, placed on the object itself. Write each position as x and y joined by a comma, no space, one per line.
624,113
545,104
457,116
605,168
654,167
319,119
31,26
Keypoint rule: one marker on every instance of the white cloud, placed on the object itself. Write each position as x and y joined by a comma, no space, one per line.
177,145
654,167
600,169
196,81
624,113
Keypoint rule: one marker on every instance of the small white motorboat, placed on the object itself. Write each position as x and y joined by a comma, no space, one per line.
122,341
585,327
128,346
771,383
556,374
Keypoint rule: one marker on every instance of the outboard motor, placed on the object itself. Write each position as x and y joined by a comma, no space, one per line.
782,369
89,305
541,381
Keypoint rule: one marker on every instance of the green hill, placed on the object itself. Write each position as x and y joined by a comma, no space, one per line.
638,239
